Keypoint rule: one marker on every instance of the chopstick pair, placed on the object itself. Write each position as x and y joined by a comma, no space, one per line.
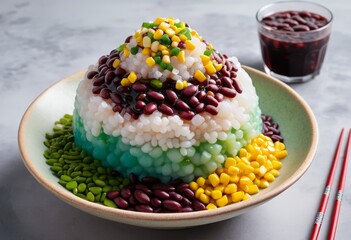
325,197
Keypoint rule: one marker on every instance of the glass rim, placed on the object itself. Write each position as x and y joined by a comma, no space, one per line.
285,2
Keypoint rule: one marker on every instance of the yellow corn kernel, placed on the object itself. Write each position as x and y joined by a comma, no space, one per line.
243,152
205,59
165,52
200,181
199,76
218,66
257,182
185,84
252,176
230,162
281,154
276,164
216,194
279,146
204,198
150,61
183,37
162,47
237,196
208,191
116,63
230,188
222,201
233,170
234,179
198,192
189,45
158,34
246,197
272,157
224,178
146,51
265,151
170,32
175,38
193,186
150,30
211,206
126,52
179,85
244,180
154,46
268,164
269,177
261,159
132,77
174,44
166,59
137,35
174,28
125,82
274,172
264,183
219,187
146,42
171,20
181,57
252,189
214,179
210,69
164,26
254,164
159,20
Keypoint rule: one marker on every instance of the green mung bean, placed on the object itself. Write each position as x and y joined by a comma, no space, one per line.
90,197
109,203
95,190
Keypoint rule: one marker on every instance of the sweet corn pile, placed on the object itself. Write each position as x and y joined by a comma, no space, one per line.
254,168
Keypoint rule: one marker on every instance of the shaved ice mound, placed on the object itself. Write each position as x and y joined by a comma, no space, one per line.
165,104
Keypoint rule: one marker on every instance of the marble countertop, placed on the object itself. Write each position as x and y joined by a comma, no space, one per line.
43,41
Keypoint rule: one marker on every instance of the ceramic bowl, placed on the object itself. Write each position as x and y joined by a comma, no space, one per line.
297,124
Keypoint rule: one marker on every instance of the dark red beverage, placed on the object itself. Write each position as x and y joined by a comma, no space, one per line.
294,43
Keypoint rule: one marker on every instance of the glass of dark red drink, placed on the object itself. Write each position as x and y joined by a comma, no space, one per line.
293,38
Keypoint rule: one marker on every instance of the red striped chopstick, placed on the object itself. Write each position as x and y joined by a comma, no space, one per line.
325,197
337,204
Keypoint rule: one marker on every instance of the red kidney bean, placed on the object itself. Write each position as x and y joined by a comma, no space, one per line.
155,95
211,81
186,115
102,60
109,77
171,205
276,138
98,81
299,19
122,203
211,109
193,101
155,202
181,185
97,89
133,178
186,202
186,209
150,180
126,193
101,67
120,72
171,96
186,192
228,65
227,82
176,196
181,45
211,101
163,108
200,108
116,98
149,108
143,188
164,187
301,28
105,93
128,39
198,206
141,197
189,91
117,108
213,88
181,105
160,193
201,95
110,61
143,208
228,92
274,130
225,72
113,194
132,200
237,86
139,87
91,74
103,71
123,89
219,97
117,80
291,22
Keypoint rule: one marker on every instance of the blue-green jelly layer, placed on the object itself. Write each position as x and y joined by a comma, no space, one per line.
166,165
